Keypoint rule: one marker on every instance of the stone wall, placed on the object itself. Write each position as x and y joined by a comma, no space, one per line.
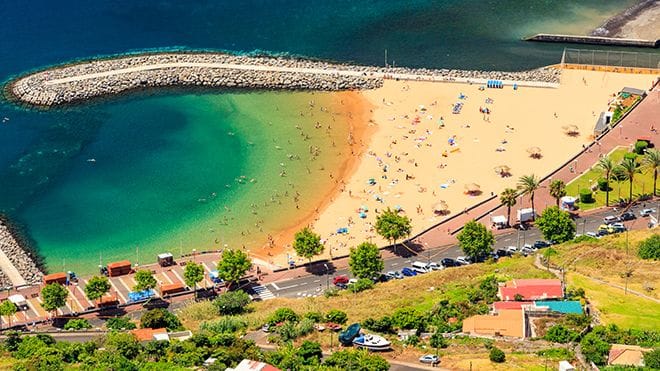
18,256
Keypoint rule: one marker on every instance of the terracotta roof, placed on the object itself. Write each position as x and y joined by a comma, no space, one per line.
250,365
631,355
501,305
147,334
507,323
531,289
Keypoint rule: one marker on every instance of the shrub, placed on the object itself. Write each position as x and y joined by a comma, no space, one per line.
650,248
120,323
584,238
305,327
77,324
652,359
603,184
497,355
412,340
438,341
361,285
287,331
383,325
224,325
586,196
283,314
630,156
232,302
594,348
331,292
407,318
314,316
641,146
160,318
311,352
336,316
560,334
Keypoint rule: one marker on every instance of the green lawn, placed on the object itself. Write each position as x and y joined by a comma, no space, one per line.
643,183
626,311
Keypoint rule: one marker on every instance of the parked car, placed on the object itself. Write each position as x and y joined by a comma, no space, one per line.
341,286
381,278
394,274
601,233
512,249
408,272
463,260
541,244
592,234
646,212
435,266
627,216
528,250
340,279
502,253
611,219
617,228
352,281
421,267
430,359
449,262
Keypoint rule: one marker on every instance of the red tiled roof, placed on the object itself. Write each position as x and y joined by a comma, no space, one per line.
531,289
147,334
535,282
502,305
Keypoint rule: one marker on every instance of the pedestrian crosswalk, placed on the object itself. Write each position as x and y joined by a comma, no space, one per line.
263,292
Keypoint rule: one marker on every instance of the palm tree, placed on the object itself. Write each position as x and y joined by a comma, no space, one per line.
629,168
651,162
528,184
508,199
606,164
557,189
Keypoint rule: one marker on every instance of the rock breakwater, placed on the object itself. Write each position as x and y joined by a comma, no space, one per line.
17,256
85,80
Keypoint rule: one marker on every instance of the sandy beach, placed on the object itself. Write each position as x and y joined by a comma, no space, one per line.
644,25
420,153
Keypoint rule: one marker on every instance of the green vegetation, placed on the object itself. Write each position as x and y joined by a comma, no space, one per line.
160,318
652,359
475,239
365,260
392,226
233,265
556,225
336,316
96,287
528,184
283,314
232,302
307,243
120,323
144,280
643,182
586,196
650,248
356,360
560,334
557,189
53,296
508,199
651,164
361,285
7,308
77,324
193,274
497,355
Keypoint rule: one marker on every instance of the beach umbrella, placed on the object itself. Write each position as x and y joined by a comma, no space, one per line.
503,170
534,152
472,188
571,129
440,207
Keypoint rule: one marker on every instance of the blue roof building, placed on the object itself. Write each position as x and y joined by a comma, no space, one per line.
566,307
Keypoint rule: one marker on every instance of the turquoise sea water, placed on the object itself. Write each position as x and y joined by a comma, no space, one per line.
169,166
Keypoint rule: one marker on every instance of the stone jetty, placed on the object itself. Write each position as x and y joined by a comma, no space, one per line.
16,264
85,80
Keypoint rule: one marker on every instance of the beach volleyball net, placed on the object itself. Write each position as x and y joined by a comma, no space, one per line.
608,58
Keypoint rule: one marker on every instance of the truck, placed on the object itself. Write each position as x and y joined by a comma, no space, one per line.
19,301
119,268
525,215
171,288
59,277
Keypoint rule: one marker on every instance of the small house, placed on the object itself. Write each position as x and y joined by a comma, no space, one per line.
626,355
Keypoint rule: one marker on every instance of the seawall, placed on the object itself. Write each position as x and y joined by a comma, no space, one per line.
594,40
85,80
16,262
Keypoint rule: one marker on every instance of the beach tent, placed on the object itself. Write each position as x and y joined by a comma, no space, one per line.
534,152
472,188
503,170
571,129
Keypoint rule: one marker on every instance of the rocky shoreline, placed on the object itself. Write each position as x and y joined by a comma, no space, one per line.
18,255
85,80
613,26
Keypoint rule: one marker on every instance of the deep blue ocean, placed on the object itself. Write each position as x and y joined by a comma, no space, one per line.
72,211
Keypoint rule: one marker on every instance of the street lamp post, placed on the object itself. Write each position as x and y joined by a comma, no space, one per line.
327,277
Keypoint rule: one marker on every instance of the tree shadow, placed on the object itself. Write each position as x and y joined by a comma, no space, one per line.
321,268
407,250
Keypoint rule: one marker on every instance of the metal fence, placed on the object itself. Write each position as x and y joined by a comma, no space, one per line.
611,58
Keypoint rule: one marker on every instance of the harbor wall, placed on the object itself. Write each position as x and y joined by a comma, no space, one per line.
18,264
594,40
102,77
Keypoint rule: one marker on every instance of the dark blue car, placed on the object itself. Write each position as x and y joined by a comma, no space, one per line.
408,272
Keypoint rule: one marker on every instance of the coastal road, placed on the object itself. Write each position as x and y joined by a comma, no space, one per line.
315,284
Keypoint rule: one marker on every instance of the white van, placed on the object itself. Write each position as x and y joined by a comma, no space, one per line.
420,267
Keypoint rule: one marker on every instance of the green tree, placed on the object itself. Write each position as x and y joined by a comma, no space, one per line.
307,243
528,184
233,265
496,355
437,341
7,308
392,226
549,253
650,248
556,225
282,315
193,274
508,199
96,287
144,280
53,296
560,334
407,318
122,343
232,302
77,324
120,323
311,353
629,168
557,189
607,166
160,318
651,163
652,359
286,357
336,316
594,348
365,260
356,360
475,239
